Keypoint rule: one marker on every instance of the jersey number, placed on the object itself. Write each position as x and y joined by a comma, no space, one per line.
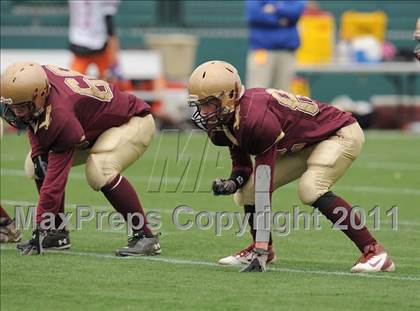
294,102
97,89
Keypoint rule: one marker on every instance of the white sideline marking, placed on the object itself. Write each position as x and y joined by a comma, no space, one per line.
212,264
174,180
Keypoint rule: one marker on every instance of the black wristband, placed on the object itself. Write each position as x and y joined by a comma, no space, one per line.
239,178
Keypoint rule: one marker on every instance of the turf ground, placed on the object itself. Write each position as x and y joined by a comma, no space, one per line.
312,271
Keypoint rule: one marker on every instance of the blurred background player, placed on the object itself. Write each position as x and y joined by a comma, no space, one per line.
273,39
70,120
417,37
92,36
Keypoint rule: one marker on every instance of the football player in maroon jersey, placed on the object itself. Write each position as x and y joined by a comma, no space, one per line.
290,137
72,119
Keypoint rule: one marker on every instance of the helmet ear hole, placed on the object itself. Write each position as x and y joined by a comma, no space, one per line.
231,94
204,74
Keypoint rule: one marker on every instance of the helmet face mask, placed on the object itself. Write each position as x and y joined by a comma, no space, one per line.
209,112
19,115
10,117
215,88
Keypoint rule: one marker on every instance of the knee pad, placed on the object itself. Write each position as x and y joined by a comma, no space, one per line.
99,171
118,148
309,190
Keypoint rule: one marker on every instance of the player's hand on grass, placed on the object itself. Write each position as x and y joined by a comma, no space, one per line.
258,262
224,186
34,246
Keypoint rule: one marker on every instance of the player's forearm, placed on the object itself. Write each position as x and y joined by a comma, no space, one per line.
53,186
36,149
241,166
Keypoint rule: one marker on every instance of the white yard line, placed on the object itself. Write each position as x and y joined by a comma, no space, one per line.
173,180
389,166
176,261
81,176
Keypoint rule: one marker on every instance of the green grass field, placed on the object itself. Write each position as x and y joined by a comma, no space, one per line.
312,270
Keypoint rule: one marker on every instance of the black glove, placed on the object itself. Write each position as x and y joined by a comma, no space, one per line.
40,166
258,261
34,247
224,186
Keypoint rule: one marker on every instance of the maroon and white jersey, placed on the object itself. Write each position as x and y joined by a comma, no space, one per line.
270,122
78,110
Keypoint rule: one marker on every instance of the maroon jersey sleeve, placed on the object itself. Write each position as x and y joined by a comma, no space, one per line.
57,134
241,163
36,148
52,189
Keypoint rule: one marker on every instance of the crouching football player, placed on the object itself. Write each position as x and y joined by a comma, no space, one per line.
291,137
72,119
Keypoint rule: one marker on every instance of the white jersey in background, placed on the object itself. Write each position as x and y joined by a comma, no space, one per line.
87,22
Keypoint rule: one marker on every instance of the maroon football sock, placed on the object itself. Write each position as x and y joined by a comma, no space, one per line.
4,215
250,209
124,199
327,204
58,219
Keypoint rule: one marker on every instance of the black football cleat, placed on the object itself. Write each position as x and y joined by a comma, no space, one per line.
258,262
54,239
140,244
